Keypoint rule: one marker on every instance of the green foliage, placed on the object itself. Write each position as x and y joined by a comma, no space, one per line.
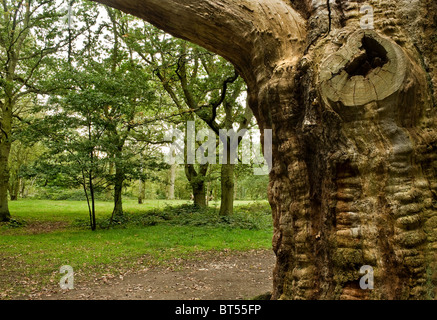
99,99
252,187
251,217
15,223
59,193
255,216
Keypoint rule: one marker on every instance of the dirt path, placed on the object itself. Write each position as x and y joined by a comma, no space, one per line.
223,276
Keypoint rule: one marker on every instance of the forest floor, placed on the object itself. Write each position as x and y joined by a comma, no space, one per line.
172,252
212,276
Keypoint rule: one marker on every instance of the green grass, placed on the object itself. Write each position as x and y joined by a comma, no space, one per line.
176,232
162,242
51,210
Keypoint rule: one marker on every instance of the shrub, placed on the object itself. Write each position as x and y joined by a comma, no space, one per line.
255,216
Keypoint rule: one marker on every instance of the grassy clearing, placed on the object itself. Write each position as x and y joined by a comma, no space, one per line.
152,234
50,210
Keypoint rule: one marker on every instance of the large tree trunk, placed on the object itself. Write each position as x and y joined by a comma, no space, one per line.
227,189
197,182
5,149
353,116
227,169
117,213
227,185
199,194
4,179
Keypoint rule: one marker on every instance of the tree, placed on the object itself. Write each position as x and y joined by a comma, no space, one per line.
250,186
107,78
233,115
31,32
124,116
353,118
73,133
171,182
202,82
168,56
19,157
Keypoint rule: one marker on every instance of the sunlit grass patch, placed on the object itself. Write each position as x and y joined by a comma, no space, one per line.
32,260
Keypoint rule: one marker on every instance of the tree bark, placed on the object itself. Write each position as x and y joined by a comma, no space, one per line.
141,191
109,190
197,182
227,169
172,179
5,149
227,189
199,194
23,192
227,177
353,117
14,197
91,202
14,187
117,213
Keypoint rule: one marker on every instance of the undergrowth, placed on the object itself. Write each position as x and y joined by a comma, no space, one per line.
255,216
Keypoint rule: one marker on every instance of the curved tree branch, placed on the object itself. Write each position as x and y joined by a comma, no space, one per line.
248,33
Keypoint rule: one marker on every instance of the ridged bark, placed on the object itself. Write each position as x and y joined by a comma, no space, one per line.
197,182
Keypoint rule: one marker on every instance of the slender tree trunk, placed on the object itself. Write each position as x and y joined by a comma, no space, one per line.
91,183
14,189
353,118
141,191
227,187
22,188
235,188
118,201
207,193
172,179
93,208
109,190
141,188
227,170
84,185
93,203
117,213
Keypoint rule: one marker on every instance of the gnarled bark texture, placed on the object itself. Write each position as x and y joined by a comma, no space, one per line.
197,182
353,114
